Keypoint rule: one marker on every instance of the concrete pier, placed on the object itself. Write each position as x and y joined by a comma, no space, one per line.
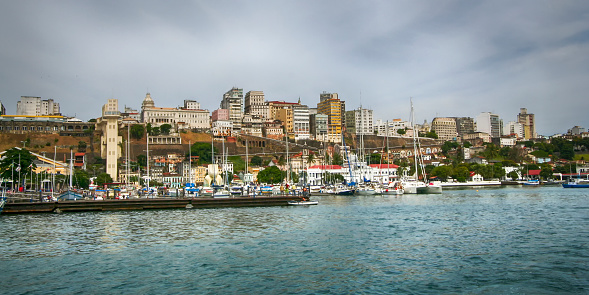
143,204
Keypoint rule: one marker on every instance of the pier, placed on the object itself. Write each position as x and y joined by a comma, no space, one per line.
143,204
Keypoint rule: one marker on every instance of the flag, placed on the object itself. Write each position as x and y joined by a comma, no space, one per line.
18,168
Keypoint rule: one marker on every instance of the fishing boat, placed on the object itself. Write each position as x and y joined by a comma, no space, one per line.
576,183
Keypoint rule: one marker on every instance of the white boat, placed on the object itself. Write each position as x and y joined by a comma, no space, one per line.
415,186
2,200
364,190
303,203
392,188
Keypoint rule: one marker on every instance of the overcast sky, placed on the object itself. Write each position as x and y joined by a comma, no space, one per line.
455,58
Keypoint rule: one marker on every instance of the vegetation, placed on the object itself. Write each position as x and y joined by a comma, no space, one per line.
256,161
203,151
137,131
103,178
16,162
271,175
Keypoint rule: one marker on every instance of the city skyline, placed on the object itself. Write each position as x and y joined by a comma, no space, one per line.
455,59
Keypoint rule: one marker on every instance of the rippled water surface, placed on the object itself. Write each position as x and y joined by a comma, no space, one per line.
490,241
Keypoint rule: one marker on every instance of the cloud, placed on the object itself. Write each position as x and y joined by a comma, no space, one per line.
456,58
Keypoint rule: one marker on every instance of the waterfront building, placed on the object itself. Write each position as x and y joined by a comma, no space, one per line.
445,128
301,124
233,101
35,106
256,105
489,123
188,117
318,126
528,122
316,174
108,128
334,108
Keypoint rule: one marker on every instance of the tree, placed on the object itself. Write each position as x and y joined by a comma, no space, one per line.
81,179
546,172
401,131
155,131
337,159
142,160
256,161
442,172
270,175
137,131
165,129
16,162
432,134
461,173
513,175
203,151
82,146
466,144
103,178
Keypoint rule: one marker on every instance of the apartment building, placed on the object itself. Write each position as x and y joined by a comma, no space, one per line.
233,101
445,128
35,106
334,108
528,122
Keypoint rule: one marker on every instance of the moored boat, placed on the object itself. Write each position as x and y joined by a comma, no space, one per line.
576,183
303,203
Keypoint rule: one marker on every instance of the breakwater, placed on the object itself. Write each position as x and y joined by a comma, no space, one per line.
142,204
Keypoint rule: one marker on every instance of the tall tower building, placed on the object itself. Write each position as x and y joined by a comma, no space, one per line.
528,123
233,101
108,126
334,108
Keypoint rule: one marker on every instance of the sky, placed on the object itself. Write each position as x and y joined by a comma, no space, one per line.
452,58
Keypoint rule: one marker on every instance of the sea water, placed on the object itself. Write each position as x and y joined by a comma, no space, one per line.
486,241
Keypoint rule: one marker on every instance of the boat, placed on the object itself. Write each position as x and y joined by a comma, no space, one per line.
416,186
393,188
303,203
2,200
365,190
531,182
576,183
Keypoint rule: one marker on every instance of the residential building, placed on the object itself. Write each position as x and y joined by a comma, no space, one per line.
256,105
273,130
489,123
464,125
108,127
528,122
359,122
222,128
577,130
334,108
285,116
35,106
318,126
233,101
514,128
180,118
251,125
445,128
301,124
220,115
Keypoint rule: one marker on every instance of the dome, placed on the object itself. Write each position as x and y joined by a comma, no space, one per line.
148,102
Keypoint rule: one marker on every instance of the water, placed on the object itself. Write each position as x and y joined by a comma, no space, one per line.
490,241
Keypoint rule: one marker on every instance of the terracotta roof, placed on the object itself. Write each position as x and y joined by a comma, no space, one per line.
534,172
384,166
326,167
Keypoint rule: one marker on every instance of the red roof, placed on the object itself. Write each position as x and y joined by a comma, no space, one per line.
326,167
79,154
384,166
534,172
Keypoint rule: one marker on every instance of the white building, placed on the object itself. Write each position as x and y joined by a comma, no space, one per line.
255,105
188,117
301,127
489,123
363,121
222,128
35,106
233,101
514,128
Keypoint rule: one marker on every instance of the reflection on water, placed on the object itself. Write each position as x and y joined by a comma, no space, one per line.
501,240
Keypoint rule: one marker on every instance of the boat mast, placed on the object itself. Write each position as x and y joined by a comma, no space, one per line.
189,161
414,141
147,163
71,168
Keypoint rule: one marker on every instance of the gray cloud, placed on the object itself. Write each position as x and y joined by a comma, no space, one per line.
456,58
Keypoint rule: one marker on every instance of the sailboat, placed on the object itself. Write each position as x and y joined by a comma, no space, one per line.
415,186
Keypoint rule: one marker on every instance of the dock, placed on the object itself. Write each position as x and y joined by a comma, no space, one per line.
143,204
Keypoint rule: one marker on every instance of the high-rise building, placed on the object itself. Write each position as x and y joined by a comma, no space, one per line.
255,104
514,128
445,128
318,125
489,123
527,121
334,108
464,125
233,101
35,106
359,122
301,127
